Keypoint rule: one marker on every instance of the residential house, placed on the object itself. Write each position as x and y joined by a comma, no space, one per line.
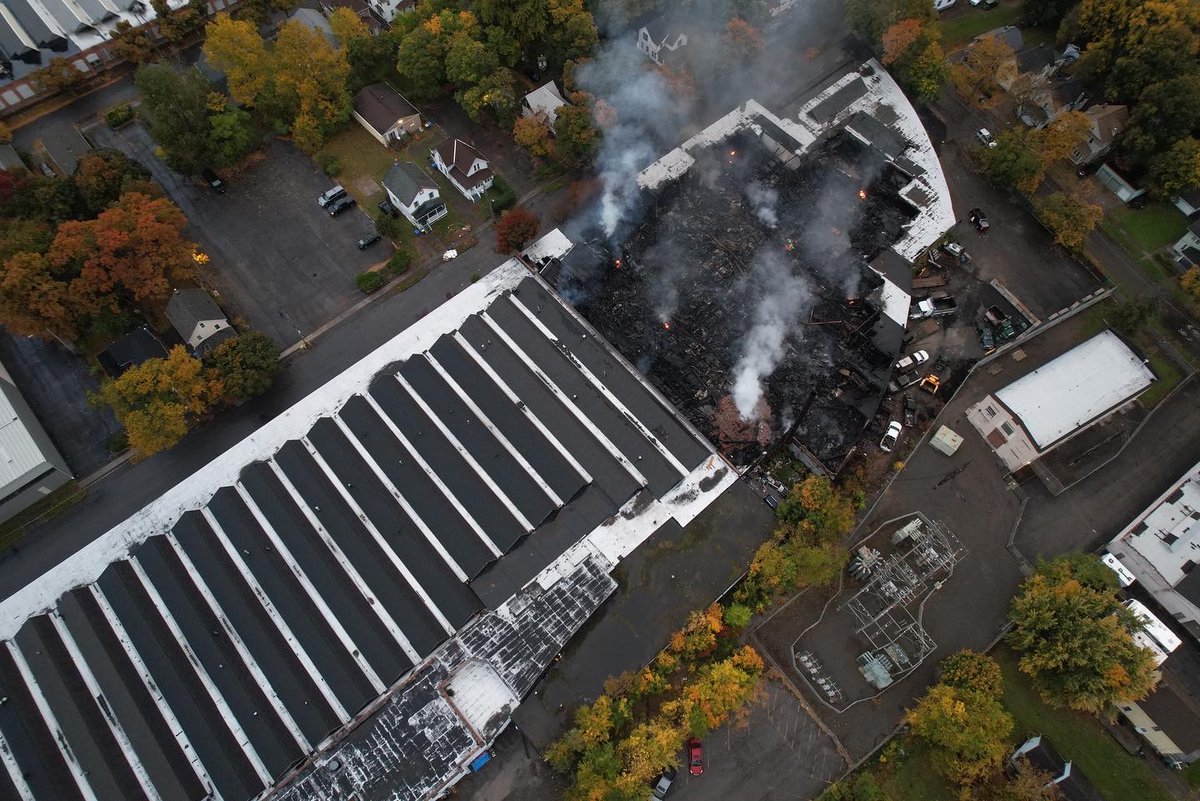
660,38
30,466
385,113
1187,249
543,103
198,319
315,20
1168,721
1108,120
414,193
1038,754
388,10
466,169
136,347
1189,203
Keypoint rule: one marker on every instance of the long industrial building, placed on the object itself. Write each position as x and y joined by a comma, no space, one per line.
349,603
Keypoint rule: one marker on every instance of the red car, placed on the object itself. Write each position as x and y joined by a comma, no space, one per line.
695,752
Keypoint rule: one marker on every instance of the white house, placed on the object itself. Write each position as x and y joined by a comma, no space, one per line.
414,193
466,169
198,319
1188,203
1187,248
31,467
1108,120
660,38
543,104
390,9
385,113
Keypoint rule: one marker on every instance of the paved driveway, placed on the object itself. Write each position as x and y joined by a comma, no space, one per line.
280,263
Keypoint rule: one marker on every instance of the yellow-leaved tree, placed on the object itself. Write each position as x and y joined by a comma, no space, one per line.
236,49
311,82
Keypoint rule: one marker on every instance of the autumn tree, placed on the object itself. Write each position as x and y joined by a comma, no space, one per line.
987,64
59,75
311,82
515,230
158,400
968,731
898,39
347,26
817,510
1075,638
102,175
913,50
175,108
698,637
133,249
1070,219
132,43
236,48
872,17
1190,282
534,135
972,671
742,39
721,689
39,299
575,136
246,365
572,33
1063,135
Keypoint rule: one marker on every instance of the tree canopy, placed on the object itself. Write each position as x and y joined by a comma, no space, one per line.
515,230
246,365
1075,638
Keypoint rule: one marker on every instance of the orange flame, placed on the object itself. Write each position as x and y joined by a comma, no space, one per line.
666,326
862,194
617,263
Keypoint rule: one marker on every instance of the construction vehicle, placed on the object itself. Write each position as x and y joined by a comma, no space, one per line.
931,384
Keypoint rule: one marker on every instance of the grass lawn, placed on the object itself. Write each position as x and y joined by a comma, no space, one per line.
974,21
1151,228
1117,775
361,157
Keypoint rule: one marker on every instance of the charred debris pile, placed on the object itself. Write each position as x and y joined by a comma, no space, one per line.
682,292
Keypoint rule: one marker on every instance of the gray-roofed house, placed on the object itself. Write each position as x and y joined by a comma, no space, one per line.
1108,121
30,466
543,104
138,346
660,38
315,20
466,169
414,193
1037,753
1188,203
198,319
385,113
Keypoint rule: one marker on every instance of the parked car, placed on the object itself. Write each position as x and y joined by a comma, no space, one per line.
942,5
771,501
663,785
330,195
367,241
985,136
979,220
891,437
338,206
387,208
912,360
695,751
903,381
213,180
910,411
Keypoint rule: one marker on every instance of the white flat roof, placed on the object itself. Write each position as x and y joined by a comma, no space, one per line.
19,451
1070,392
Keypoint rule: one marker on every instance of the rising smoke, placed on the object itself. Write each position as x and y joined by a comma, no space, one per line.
763,199
783,296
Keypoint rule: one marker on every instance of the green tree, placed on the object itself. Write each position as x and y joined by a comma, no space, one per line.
1045,13
575,136
572,33
1076,641
420,62
523,20
872,17
175,108
159,399
469,61
132,43
972,671
1176,170
236,49
231,136
1014,161
1165,113
372,59
1070,219
968,730
496,92
927,73
246,365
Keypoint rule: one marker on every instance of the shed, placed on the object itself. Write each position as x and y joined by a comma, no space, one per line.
945,441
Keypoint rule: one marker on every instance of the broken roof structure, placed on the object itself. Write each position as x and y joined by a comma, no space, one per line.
348,603
751,206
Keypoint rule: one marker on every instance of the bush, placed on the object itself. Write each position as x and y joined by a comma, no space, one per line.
501,195
329,163
400,261
389,227
119,115
369,281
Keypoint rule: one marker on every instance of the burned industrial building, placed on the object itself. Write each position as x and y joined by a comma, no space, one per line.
762,285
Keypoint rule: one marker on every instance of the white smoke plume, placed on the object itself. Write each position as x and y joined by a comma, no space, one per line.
763,199
782,298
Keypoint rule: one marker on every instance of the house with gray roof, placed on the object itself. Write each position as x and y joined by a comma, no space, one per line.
30,466
543,104
198,319
466,168
315,20
385,113
414,193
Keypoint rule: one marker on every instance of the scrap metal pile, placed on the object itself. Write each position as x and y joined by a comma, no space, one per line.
685,290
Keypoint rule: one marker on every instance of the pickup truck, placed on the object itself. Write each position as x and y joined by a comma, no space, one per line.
933,307
904,381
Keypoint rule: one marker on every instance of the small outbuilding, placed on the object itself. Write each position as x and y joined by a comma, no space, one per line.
138,346
385,113
198,319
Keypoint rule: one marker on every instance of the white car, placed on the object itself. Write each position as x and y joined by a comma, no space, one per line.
912,360
891,437
985,136
330,195
942,5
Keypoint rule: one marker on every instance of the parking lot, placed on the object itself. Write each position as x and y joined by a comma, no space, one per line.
279,263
